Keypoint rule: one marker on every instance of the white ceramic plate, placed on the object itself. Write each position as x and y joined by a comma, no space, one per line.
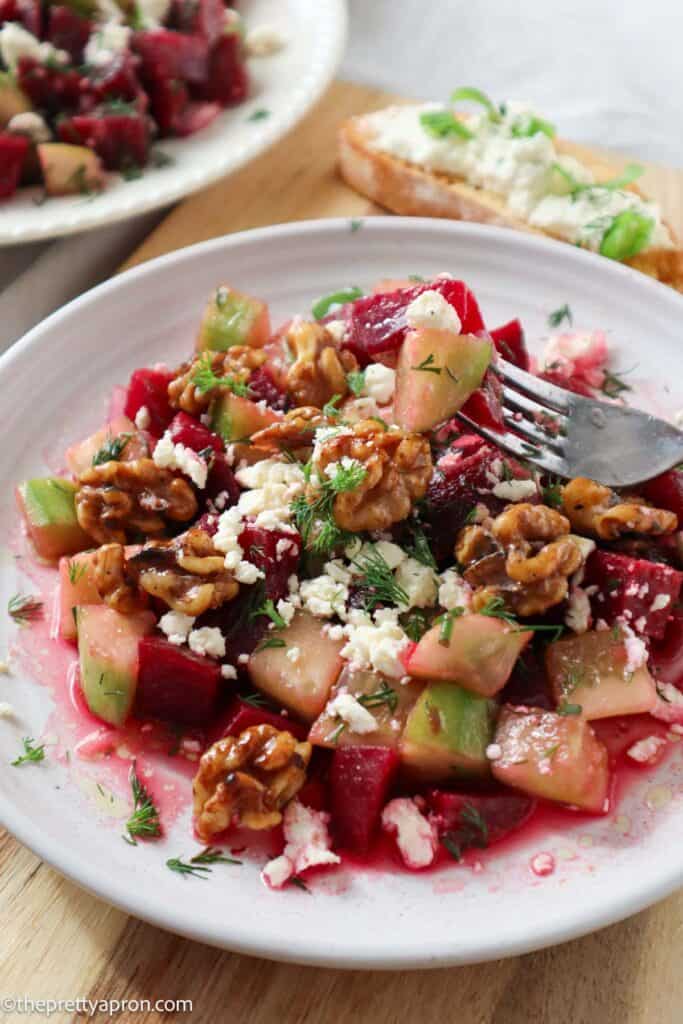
53,383
286,84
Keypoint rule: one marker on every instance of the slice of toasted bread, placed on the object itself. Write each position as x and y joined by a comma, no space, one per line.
409,190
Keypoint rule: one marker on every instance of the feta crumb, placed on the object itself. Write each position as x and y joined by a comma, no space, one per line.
142,418
324,596
307,844
415,835
358,718
430,309
17,42
578,614
176,626
6,710
208,641
515,490
379,382
660,601
494,751
264,41
647,749
286,609
636,650
454,591
337,328
228,672
168,455
294,655
419,583
247,572
243,659
105,43
377,645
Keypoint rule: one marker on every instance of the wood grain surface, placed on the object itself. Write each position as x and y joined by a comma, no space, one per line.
58,942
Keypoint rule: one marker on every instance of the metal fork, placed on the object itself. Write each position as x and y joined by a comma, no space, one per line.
569,435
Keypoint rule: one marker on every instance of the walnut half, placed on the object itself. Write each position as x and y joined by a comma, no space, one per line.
248,779
237,362
600,512
319,369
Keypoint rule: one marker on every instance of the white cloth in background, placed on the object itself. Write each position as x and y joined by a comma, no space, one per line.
606,72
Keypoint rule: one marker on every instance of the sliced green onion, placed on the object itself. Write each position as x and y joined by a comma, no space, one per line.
629,233
524,128
322,307
476,96
630,174
442,123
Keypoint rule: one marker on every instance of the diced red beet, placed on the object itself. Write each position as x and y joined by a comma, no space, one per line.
666,491
221,480
116,80
377,323
188,431
120,140
201,17
239,716
529,684
629,587
169,100
260,547
172,55
264,388
27,12
575,384
196,116
485,405
68,31
228,78
459,815
149,388
13,153
174,683
52,89
509,341
360,781
666,655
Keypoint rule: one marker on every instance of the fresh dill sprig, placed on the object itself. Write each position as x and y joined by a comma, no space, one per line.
427,365
299,883
472,831
31,755
111,450
268,609
384,696
378,585
24,608
552,493
77,570
270,641
415,624
613,385
559,315
205,380
420,549
495,607
184,868
334,736
212,855
315,519
144,821
330,410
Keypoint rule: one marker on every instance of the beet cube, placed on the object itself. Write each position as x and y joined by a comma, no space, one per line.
478,820
509,341
149,388
228,78
120,140
360,780
169,100
27,12
239,715
117,80
186,430
206,18
264,388
166,55
639,592
52,89
666,491
174,683
13,153
68,31
260,547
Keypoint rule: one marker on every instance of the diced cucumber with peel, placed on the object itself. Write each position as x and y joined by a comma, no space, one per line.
108,654
49,510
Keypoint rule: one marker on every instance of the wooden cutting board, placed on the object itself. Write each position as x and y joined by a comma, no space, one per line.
58,942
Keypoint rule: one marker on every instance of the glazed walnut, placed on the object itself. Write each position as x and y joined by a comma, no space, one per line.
119,498
292,433
188,573
237,363
524,556
248,779
397,467
601,512
113,581
319,370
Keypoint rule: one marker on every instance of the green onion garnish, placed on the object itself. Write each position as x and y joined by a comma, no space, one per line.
629,233
476,96
442,123
322,307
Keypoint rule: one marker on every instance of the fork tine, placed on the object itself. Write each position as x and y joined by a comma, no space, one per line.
533,432
520,402
534,387
516,446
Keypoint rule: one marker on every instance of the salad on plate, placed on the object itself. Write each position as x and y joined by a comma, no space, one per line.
292,590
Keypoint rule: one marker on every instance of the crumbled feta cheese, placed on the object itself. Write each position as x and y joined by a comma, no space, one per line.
377,645
176,626
168,455
142,418
106,43
430,309
324,596
494,751
416,837
358,718
208,641
30,124
647,749
636,650
337,328
17,42
273,484
226,540
660,601
307,844
379,382
294,655
264,41
6,710
286,609
357,409
392,554
419,583
578,614
515,490
338,571
454,592
228,672
247,572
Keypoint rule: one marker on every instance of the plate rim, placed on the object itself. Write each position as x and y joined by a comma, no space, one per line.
304,96
92,878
